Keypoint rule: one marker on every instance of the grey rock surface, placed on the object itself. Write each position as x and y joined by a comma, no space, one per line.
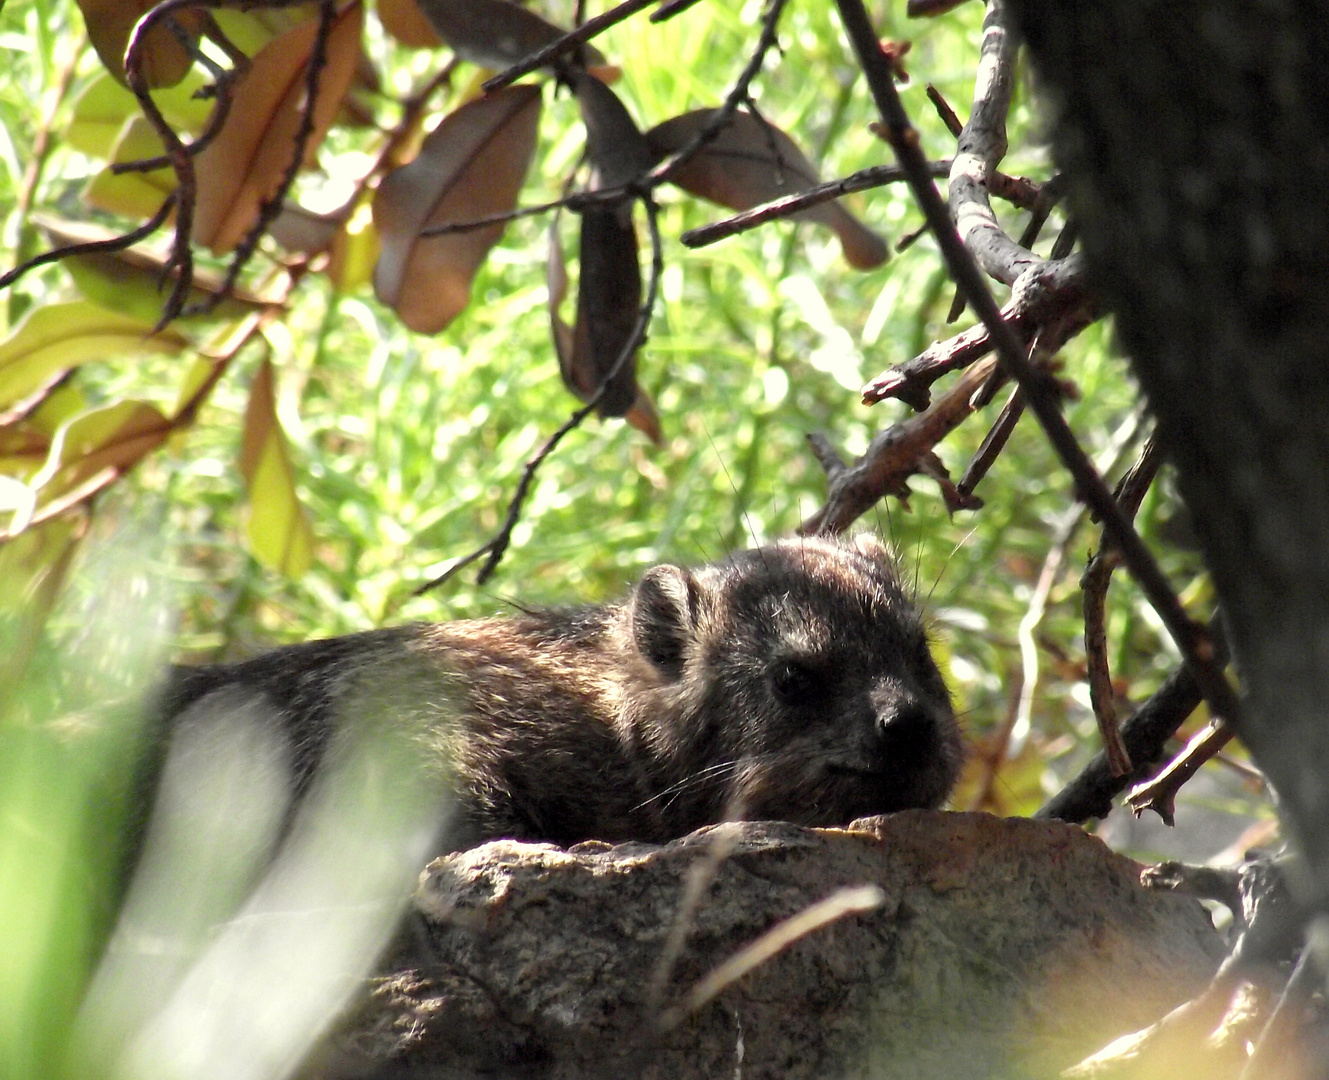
1002,948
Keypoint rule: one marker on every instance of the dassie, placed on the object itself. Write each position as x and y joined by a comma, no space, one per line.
791,681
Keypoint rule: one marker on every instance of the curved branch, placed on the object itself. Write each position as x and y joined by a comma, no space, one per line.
982,145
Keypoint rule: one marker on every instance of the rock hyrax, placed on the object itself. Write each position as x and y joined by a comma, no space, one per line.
791,681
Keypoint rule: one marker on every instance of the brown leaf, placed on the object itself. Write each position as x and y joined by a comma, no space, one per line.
244,165
162,59
404,20
471,166
497,33
751,162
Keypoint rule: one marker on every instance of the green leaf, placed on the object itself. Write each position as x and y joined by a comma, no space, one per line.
101,110
113,438
278,530
62,336
132,194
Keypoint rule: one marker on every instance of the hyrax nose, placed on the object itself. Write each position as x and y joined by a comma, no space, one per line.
907,730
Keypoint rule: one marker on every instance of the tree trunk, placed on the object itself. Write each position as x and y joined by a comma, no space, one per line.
1197,139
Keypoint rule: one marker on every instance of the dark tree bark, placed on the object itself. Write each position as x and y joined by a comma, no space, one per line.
1196,135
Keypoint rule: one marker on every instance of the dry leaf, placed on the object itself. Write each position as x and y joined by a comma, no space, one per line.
497,33
617,149
244,165
608,304
471,166
751,162
404,20
576,364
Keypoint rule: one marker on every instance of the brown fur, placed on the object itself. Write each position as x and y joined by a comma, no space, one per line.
791,681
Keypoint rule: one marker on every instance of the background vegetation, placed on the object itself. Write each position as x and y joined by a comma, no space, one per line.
406,448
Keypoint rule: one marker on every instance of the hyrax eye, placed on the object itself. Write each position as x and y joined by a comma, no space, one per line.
796,683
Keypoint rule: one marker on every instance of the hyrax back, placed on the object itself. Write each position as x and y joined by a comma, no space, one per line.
791,681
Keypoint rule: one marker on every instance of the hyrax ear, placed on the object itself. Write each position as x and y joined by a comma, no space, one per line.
664,616
874,549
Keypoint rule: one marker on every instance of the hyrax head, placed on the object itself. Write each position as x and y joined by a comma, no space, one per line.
798,683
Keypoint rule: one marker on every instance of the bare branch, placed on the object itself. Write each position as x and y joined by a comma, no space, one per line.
1053,295
1145,735
893,456
1192,640
993,442
788,205
1160,793
1094,585
92,247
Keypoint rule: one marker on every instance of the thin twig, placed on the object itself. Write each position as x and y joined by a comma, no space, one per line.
849,900
788,205
993,442
669,8
1146,734
587,30
94,247
1094,586
575,201
494,549
181,259
1160,793
892,457
1055,296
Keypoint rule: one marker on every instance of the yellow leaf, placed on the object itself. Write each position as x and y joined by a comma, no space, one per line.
278,529
354,251
101,110
132,194
61,336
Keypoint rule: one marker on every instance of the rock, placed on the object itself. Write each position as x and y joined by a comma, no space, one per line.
1002,947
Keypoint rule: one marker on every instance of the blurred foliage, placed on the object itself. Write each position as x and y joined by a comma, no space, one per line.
403,449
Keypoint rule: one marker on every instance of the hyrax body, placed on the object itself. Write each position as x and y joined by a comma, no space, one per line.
791,681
